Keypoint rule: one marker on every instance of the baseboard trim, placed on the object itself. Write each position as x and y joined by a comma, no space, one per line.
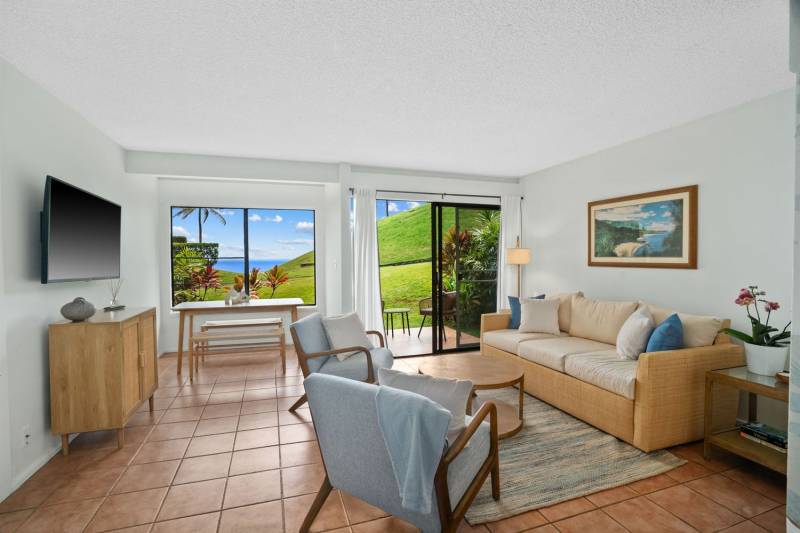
34,467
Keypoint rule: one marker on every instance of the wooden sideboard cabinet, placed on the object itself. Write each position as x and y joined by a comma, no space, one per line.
101,370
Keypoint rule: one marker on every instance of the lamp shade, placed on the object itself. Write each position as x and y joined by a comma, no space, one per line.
518,256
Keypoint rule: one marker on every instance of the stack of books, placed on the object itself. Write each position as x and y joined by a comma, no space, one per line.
765,435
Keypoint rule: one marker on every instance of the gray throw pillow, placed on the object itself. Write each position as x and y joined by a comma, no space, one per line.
346,331
452,394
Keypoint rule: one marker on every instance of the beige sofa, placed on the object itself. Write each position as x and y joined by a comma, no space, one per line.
651,403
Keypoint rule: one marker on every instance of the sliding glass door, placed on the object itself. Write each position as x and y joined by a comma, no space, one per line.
465,247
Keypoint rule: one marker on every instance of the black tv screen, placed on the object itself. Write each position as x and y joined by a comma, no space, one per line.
80,234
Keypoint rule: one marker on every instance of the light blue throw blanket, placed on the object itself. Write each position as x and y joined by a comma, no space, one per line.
414,430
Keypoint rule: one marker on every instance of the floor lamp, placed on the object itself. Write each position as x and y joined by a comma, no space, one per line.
518,256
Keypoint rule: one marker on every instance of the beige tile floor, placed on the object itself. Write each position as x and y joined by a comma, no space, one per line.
224,454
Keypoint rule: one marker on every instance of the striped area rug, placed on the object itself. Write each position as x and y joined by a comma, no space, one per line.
557,457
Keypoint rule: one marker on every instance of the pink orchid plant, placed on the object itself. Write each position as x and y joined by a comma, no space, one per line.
763,334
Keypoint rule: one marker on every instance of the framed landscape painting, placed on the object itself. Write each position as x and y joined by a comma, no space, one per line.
654,230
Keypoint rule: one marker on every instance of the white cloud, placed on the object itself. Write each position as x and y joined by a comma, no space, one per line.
660,226
227,212
180,230
392,207
277,219
307,227
668,213
626,213
264,253
255,217
412,205
297,241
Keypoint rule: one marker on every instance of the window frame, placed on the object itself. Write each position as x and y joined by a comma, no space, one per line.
246,236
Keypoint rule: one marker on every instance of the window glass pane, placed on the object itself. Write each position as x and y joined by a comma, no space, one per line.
404,251
187,255
223,228
281,249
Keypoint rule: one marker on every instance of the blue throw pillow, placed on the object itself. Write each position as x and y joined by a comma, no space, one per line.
667,336
516,310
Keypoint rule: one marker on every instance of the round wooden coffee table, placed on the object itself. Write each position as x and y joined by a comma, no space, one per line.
485,373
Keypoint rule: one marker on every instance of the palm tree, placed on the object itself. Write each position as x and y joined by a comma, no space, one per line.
184,213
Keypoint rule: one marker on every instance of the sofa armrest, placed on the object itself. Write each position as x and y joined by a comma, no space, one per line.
670,393
494,321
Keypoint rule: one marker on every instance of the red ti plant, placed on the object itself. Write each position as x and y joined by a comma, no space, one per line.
256,282
204,279
274,278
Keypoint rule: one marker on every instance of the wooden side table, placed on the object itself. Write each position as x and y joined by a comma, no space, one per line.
388,317
728,438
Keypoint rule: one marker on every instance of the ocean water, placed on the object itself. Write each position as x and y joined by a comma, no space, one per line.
237,265
655,244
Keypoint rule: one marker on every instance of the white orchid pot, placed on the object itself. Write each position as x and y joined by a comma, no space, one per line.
766,360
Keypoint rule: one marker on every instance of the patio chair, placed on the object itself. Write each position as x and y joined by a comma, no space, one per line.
448,309
356,459
314,354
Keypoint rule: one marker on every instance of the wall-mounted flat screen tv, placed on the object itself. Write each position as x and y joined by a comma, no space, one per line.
80,234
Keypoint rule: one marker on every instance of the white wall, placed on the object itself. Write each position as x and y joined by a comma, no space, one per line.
743,161
235,193
41,136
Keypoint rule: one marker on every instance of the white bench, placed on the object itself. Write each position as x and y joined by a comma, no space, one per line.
263,332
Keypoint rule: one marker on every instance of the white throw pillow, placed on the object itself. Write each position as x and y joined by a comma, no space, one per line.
634,334
452,394
345,331
539,316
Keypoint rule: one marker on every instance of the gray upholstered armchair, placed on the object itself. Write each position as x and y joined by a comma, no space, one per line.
357,461
314,354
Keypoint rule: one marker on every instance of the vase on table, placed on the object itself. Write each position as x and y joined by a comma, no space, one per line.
765,360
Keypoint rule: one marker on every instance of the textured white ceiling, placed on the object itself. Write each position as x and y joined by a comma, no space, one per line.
482,87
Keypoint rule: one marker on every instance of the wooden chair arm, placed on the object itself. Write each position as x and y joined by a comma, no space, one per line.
487,409
370,371
380,337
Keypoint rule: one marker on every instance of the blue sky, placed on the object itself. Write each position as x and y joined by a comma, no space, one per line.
274,233
392,207
653,216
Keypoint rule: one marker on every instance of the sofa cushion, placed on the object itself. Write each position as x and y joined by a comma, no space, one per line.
564,307
509,339
634,334
516,309
539,316
606,370
599,320
552,352
698,330
667,336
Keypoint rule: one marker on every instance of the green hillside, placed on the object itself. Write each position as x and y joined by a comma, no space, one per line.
406,237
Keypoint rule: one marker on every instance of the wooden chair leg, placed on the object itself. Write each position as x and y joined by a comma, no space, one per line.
300,401
421,325
496,478
319,501
283,353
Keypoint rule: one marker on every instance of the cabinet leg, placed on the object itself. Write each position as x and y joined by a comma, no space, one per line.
150,401
65,443
120,438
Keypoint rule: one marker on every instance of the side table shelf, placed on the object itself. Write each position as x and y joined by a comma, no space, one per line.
728,438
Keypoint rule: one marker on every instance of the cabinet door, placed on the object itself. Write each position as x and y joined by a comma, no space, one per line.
147,345
131,386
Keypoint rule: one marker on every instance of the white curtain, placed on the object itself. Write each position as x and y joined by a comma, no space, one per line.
510,229
366,276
